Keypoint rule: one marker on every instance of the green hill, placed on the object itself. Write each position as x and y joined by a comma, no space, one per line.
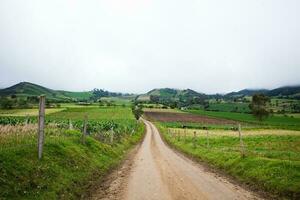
246,92
288,91
26,89
169,94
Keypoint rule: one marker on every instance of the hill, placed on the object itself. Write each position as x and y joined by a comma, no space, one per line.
170,93
26,89
173,97
246,92
287,91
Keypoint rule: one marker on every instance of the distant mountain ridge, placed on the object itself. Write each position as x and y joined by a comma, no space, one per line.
25,89
31,89
247,92
287,91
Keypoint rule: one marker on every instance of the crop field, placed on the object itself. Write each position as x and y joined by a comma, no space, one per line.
185,117
94,113
69,164
267,159
282,122
230,107
27,112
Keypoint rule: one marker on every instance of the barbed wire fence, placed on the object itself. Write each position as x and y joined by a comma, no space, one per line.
33,133
206,140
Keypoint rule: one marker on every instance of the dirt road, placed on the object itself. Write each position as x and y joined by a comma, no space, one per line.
157,172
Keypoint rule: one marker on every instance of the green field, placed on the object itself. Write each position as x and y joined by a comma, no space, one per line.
27,112
229,107
271,162
272,121
94,113
69,166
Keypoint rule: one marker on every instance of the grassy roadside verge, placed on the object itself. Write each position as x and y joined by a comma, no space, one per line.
277,172
67,169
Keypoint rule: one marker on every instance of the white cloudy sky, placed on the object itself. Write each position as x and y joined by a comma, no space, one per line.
136,45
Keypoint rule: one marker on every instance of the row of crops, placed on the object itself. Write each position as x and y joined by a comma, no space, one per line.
101,124
93,126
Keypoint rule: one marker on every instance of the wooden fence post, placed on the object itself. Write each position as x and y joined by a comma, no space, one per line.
70,125
84,129
41,125
207,139
242,148
26,120
112,136
194,139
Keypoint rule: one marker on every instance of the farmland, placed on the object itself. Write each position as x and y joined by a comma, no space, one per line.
27,112
265,157
229,107
68,166
284,122
268,159
183,117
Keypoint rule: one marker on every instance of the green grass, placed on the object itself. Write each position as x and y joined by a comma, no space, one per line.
94,113
272,121
25,112
230,107
272,162
67,168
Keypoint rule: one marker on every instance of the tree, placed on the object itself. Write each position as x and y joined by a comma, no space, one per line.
205,105
6,103
258,106
154,99
137,111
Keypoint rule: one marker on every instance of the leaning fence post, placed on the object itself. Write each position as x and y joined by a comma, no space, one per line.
41,125
84,129
242,148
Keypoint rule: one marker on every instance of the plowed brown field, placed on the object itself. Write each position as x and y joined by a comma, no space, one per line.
185,117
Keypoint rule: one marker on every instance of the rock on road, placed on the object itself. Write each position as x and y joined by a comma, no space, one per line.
156,172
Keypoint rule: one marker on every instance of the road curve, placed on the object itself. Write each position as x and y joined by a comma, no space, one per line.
157,172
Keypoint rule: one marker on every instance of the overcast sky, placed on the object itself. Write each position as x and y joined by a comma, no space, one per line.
137,45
